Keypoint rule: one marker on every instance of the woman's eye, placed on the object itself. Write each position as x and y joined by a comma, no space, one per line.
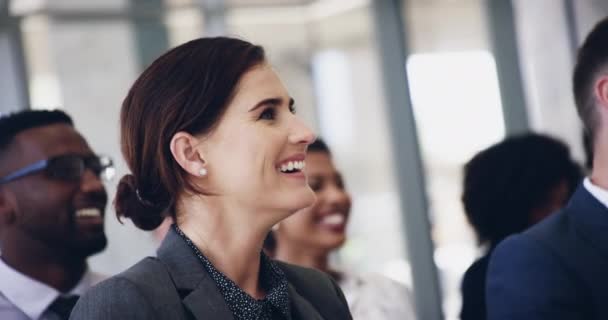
268,114
340,183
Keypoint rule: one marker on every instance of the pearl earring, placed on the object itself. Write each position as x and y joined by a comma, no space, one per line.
202,172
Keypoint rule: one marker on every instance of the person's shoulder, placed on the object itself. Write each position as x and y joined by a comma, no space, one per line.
553,225
142,274
528,277
377,282
121,295
474,276
318,288
519,247
375,296
115,297
144,271
535,239
526,260
479,267
473,289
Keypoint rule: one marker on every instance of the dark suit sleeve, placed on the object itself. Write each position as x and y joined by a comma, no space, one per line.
115,298
527,282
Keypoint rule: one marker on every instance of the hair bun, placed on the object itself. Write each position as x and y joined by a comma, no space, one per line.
128,204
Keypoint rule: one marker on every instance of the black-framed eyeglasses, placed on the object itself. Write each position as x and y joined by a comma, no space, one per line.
67,168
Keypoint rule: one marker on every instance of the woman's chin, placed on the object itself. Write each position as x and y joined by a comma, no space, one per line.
299,200
307,199
328,244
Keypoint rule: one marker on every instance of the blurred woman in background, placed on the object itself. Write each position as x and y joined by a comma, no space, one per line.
308,237
507,188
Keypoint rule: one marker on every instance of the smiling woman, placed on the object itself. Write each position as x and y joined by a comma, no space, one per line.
210,135
308,237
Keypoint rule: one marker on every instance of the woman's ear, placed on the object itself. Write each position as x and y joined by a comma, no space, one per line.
601,91
185,152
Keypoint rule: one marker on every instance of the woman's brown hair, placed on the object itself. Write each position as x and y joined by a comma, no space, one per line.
186,89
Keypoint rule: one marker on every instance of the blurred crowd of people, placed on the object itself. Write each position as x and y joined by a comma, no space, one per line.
248,205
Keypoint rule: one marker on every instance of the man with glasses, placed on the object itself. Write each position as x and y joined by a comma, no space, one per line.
52,204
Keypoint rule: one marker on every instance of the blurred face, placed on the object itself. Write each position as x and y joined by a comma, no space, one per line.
558,198
256,154
321,226
67,216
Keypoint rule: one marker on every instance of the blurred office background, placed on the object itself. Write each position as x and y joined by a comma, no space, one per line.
403,91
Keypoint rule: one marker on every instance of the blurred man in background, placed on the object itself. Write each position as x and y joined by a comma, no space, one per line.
558,269
52,204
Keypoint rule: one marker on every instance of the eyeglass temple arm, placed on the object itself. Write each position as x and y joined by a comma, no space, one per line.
34,167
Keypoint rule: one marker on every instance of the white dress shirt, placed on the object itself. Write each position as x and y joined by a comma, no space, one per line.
373,296
23,298
597,192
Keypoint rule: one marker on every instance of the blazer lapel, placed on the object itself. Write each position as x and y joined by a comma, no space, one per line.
200,295
302,309
204,305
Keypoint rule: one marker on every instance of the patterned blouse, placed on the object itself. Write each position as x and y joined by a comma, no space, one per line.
276,304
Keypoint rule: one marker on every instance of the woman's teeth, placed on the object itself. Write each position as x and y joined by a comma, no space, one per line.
334,219
293,166
88,212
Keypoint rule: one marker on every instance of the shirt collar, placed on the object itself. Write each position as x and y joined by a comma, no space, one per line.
597,192
32,296
242,305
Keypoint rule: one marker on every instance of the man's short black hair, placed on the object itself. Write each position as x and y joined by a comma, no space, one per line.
14,123
504,183
592,59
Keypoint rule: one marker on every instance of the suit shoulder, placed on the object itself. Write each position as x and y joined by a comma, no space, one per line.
474,279
527,278
134,280
114,298
143,272
318,288
131,294
536,243
554,225
523,248
525,259
478,268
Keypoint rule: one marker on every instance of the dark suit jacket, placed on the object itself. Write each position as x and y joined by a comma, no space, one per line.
557,269
176,286
474,290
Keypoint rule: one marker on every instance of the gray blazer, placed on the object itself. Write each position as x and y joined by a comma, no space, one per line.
175,286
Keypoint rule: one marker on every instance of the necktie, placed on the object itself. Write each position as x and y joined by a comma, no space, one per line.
63,305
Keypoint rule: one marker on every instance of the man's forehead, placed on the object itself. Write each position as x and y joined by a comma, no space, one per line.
51,140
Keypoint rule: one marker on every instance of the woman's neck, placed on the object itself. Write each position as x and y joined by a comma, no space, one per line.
228,239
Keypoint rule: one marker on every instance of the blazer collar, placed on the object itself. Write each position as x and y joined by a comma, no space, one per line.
199,292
